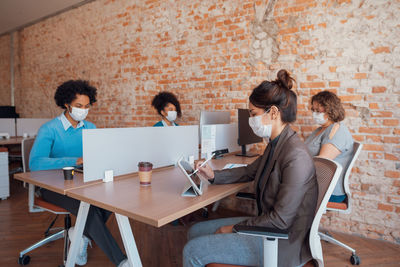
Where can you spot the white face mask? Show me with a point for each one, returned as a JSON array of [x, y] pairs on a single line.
[[79, 114], [172, 116], [258, 128], [318, 118]]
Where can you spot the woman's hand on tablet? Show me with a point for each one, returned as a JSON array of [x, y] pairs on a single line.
[[205, 170]]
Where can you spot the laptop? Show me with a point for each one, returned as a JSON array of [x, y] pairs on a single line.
[[194, 186]]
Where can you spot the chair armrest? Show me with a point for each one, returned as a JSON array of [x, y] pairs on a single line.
[[247, 196], [266, 232]]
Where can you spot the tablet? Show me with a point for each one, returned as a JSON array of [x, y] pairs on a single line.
[[195, 185]]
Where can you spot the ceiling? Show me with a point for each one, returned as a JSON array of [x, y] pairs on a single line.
[[16, 14]]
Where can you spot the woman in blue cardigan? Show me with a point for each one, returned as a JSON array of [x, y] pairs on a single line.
[[59, 144], [167, 105]]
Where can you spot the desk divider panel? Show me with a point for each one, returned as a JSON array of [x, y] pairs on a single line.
[[226, 136], [121, 149], [7, 126], [29, 125]]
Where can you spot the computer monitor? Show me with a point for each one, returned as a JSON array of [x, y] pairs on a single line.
[[246, 135], [215, 117]]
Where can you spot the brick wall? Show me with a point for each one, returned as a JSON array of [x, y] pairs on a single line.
[[212, 53], [5, 92]]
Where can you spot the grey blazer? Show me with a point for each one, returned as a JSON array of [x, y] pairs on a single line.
[[288, 194]]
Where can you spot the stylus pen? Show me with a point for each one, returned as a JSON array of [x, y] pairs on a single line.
[[204, 163]]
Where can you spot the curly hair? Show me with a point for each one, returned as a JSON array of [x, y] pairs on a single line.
[[161, 100], [277, 93], [332, 105], [66, 92]]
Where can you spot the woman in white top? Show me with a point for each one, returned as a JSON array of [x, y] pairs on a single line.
[[332, 139], [167, 105]]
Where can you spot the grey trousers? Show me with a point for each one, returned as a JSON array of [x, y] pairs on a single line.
[[205, 247], [95, 227]]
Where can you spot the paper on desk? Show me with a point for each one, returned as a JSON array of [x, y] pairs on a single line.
[[233, 165]]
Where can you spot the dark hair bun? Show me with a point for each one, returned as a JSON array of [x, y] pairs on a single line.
[[284, 79]]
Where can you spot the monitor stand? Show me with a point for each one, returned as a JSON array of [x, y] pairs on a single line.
[[245, 154]]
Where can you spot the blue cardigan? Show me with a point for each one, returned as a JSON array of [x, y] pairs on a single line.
[[56, 147]]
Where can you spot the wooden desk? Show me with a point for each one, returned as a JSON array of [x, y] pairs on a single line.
[[53, 180], [156, 205], [12, 141]]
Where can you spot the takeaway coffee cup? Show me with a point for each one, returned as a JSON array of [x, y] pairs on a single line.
[[145, 170], [68, 173]]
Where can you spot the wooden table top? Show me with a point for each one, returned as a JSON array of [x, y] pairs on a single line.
[[53, 180], [12, 141], [161, 202]]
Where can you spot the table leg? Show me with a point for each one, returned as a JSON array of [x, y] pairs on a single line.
[[129, 240], [78, 232]]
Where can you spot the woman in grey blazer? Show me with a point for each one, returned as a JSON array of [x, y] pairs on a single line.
[[284, 182]]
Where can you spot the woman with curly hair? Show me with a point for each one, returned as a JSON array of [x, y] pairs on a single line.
[[331, 139], [59, 144], [167, 105]]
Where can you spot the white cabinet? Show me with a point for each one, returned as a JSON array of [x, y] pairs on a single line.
[[4, 178]]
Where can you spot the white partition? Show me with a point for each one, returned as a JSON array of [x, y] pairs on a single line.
[[29, 126], [7, 126], [121, 149], [226, 136]]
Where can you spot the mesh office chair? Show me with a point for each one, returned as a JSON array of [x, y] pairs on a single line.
[[328, 173], [345, 207], [37, 204]]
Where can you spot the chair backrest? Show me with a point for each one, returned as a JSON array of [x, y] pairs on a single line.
[[356, 151], [36, 204], [26, 147], [328, 173]]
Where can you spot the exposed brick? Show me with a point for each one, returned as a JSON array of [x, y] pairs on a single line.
[[382, 114], [381, 49], [312, 85], [374, 130], [360, 76], [373, 105], [374, 138], [380, 89], [391, 157], [392, 174], [350, 98], [334, 84], [373, 147], [390, 122], [385, 207], [391, 139], [332, 68]]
